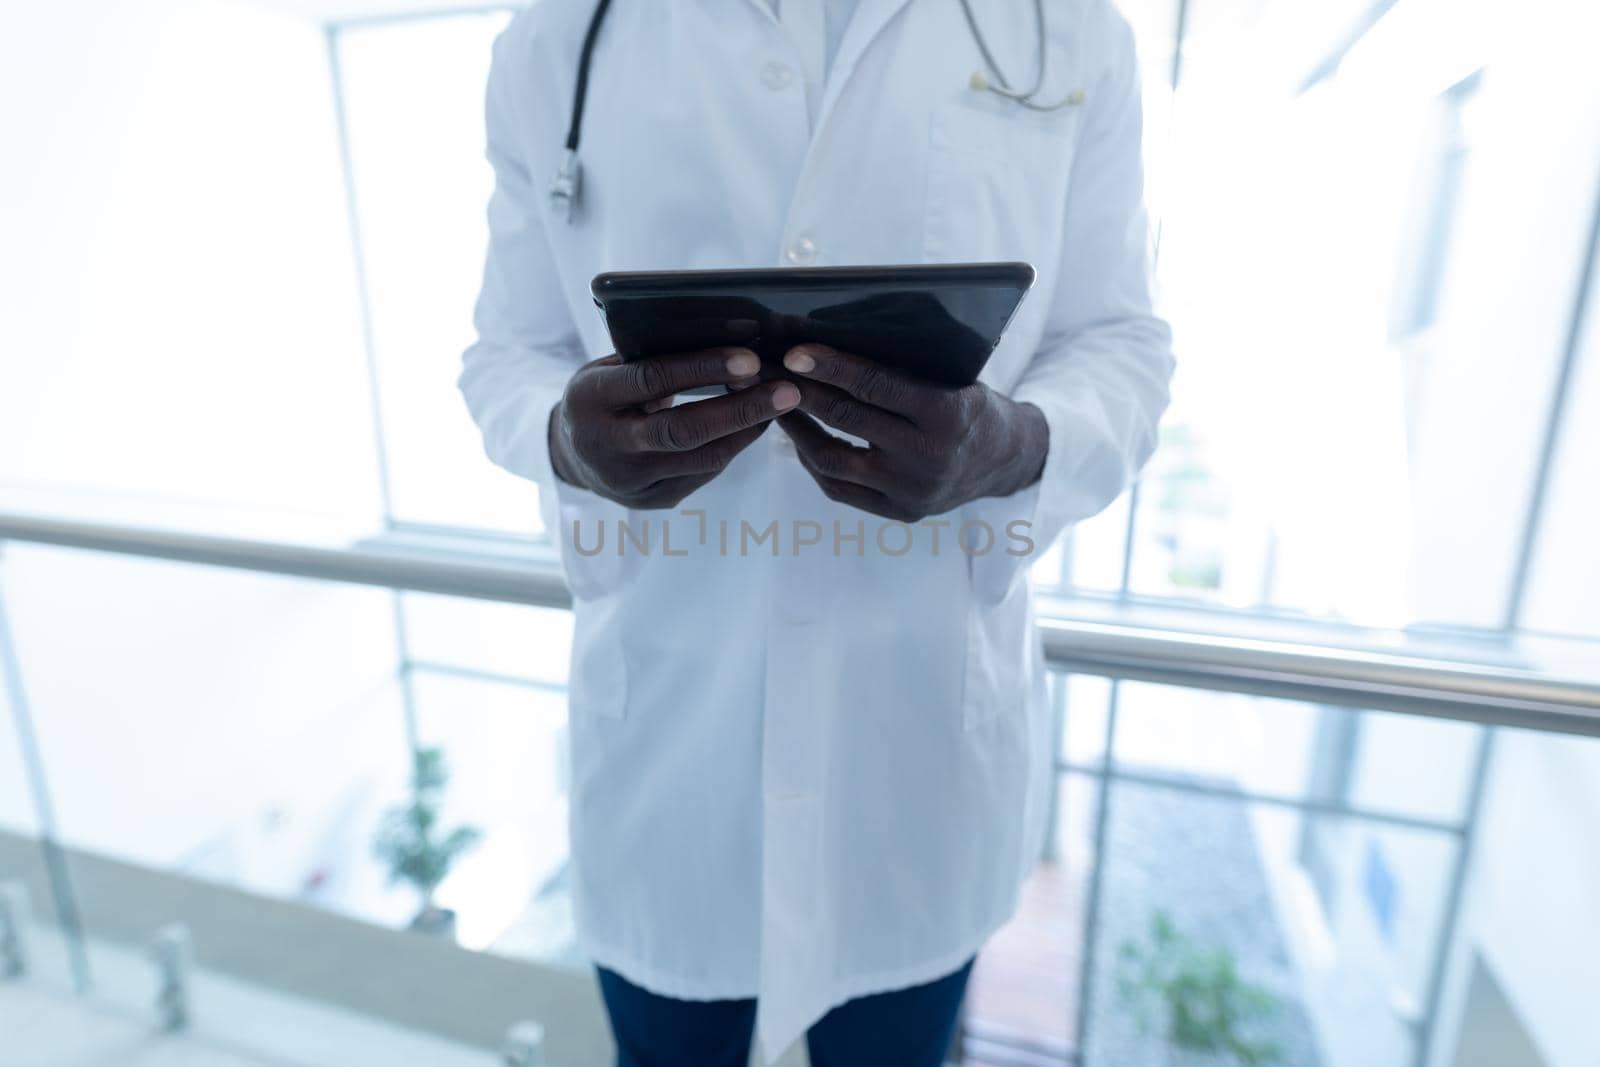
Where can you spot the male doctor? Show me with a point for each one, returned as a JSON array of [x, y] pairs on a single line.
[[809, 773]]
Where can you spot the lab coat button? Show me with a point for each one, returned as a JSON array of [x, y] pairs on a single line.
[[776, 75], [802, 251]]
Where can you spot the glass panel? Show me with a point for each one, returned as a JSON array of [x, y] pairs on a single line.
[[238, 728], [421, 184], [533, 644], [1095, 550], [32, 943], [1529, 937], [1335, 920], [229, 751], [249, 731], [1385, 772], [1210, 948], [1279, 748], [1025, 984], [1234, 863], [1083, 735], [17, 814], [1049, 569], [505, 747]]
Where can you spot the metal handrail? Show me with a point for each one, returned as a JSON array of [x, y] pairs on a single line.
[[1349, 677], [363, 563], [1497, 693]]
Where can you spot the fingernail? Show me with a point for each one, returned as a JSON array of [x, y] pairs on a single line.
[[743, 364], [799, 361], [785, 396]]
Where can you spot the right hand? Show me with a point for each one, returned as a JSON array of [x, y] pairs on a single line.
[[617, 434]]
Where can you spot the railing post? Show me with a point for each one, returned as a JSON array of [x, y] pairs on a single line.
[[1460, 872], [13, 949], [524, 1045], [172, 951], [55, 861]]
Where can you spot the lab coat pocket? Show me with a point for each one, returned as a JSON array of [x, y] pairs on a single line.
[[997, 182], [998, 646], [589, 536]]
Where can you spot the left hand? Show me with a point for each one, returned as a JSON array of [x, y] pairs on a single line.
[[930, 448]]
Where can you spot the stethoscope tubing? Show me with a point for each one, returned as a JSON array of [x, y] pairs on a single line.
[[564, 193]]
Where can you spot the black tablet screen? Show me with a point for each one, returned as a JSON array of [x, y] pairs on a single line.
[[939, 322]]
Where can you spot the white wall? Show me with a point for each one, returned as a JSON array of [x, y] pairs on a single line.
[[178, 324], [1526, 201], [1533, 886], [17, 810], [1526, 205], [1532, 892], [1564, 588], [175, 704], [177, 299]]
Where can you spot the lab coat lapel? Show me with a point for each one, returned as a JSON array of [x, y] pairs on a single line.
[[765, 7], [869, 20]]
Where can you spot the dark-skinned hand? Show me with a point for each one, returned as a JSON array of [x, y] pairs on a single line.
[[617, 433], [930, 448]]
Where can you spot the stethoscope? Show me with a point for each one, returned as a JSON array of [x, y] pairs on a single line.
[[568, 184]]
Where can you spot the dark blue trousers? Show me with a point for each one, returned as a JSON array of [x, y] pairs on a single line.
[[904, 1028]]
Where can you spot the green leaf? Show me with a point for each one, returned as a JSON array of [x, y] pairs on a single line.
[[408, 839]]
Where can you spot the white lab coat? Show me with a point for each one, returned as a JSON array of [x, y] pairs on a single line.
[[813, 776]]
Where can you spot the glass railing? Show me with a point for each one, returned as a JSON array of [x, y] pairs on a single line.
[[1246, 864]]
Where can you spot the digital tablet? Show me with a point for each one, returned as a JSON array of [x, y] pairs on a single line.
[[938, 322]]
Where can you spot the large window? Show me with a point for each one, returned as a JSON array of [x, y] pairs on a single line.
[[1375, 224], [412, 95], [1371, 267], [1331, 191], [1331, 196]]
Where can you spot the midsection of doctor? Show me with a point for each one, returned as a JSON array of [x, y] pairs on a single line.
[[809, 740]]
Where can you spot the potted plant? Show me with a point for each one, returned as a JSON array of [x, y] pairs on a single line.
[[1194, 998], [416, 848]]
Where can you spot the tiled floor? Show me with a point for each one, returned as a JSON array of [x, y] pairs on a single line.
[[44, 1024], [1025, 985], [1024, 988], [53, 1029]]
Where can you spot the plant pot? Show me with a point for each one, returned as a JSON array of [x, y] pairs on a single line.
[[435, 922]]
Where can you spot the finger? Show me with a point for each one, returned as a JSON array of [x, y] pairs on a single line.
[[829, 459], [868, 500], [869, 382], [668, 492], [690, 426], [656, 377], [660, 405], [836, 408], [709, 459]]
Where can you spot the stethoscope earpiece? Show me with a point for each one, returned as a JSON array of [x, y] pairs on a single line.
[[566, 187], [999, 85]]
